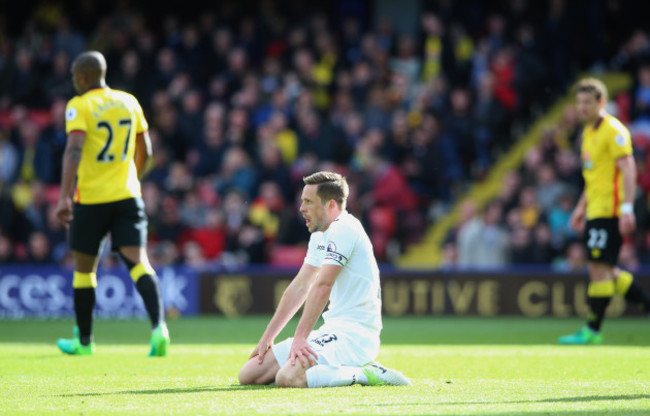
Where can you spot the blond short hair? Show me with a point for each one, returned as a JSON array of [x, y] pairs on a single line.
[[592, 86]]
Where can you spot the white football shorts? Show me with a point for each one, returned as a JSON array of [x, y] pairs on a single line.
[[336, 345]]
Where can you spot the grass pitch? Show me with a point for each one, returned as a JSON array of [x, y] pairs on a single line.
[[459, 366]]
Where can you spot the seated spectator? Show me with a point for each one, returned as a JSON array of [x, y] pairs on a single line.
[[36, 157], [9, 161], [6, 250], [266, 209], [574, 260], [211, 237], [237, 173], [193, 255], [39, 251]]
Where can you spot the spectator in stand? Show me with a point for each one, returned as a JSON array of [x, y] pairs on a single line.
[[6, 250], [489, 120], [193, 255], [9, 161], [543, 251], [53, 137], [237, 173], [641, 104], [529, 207], [558, 220], [35, 213], [549, 189], [521, 246], [57, 83], [250, 83], [36, 156], [211, 237], [39, 251], [575, 260], [265, 211], [458, 123], [23, 80], [164, 253], [482, 242], [193, 211], [130, 78]]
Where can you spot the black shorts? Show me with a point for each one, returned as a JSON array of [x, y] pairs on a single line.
[[125, 220], [603, 240]]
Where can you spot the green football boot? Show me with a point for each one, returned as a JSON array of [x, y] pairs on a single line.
[[378, 375], [73, 346], [159, 341], [584, 336]]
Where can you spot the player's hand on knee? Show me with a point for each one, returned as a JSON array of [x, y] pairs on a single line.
[[261, 349], [301, 350]]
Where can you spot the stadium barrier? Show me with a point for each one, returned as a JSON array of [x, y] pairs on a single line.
[[46, 292]]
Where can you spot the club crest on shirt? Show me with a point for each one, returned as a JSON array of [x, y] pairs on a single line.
[[620, 140], [71, 114]]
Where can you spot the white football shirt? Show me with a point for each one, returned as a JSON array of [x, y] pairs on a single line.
[[356, 294]]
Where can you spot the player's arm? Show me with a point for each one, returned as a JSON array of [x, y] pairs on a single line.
[[315, 303], [577, 221], [143, 153], [627, 220], [292, 299], [71, 160]]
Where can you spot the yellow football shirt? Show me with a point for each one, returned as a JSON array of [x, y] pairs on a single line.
[[602, 145], [111, 120]]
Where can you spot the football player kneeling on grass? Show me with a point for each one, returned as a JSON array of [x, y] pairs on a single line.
[[340, 267]]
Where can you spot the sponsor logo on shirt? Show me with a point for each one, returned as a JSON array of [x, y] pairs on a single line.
[[332, 254]]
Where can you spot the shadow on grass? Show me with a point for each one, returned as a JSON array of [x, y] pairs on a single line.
[[201, 389], [550, 400]]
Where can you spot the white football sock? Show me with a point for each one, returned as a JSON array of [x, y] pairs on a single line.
[[330, 376]]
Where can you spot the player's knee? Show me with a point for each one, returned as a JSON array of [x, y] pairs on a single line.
[[289, 379], [246, 376], [282, 379]]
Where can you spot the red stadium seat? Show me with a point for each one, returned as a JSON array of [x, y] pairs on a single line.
[[383, 219], [288, 255]]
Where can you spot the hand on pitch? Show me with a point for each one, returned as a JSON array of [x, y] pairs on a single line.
[[626, 224], [301, 350], [64, 211]]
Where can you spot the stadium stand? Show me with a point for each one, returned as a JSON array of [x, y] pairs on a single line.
[[244, 98]]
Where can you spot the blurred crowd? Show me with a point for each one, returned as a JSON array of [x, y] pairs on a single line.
[[245, 98], [528, 222]]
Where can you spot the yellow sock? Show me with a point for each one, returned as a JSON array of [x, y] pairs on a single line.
[[603, 289], [623, 282], [84, 280], [141, 269]]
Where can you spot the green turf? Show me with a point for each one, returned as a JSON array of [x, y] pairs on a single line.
[[460, 366]]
